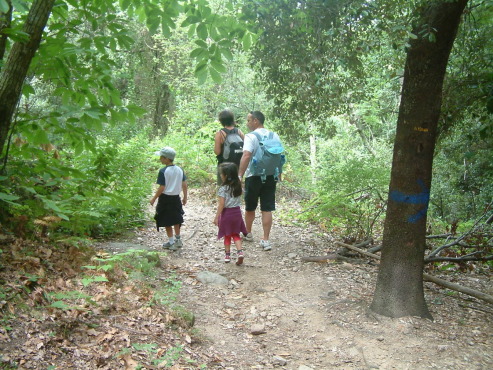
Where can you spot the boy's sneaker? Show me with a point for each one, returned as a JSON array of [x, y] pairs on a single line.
[[265, 244], [248, 237], [239, 261], [227, 258], [178, 243], [168, 245]]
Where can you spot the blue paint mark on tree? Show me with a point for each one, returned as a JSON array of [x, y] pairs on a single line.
[[420, 198]]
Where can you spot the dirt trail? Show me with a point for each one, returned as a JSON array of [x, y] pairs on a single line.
[[314, 315]]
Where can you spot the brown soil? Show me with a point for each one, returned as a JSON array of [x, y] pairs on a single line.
[[276, 311]]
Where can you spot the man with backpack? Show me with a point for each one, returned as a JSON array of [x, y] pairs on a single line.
[[228, 142], [261, 163]]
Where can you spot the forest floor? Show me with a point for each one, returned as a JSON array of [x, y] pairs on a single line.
[[273, 311]]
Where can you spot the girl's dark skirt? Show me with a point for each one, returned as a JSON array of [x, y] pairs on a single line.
[[231, 222], [169, 211]]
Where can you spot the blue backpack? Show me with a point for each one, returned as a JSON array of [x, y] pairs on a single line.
[[268, 159]]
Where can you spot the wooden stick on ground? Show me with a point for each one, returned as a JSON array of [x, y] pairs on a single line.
[[427, 277]]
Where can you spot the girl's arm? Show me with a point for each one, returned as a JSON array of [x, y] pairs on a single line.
[[159, 191], [220, 207]]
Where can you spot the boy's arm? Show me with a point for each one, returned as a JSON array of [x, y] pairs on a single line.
[[159, 191], [220, 207], [184, 188]]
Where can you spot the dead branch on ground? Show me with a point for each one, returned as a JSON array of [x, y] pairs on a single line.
[[427, 277]]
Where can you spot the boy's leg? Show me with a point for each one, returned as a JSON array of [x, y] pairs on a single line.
[[178, 241], [171, 239], [177, 229]]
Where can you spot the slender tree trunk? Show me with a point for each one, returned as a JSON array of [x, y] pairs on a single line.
[[15, 69], [313, 153], [162, 111], [399, 289]]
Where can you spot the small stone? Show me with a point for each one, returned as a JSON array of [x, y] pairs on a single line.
[[257, 329], [280, 361]]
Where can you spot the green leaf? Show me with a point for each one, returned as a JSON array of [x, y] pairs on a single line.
[[227, 53], [247, 41], [201, 75], [202, 31], [27, 90], [218, 66], [61, 305], [202, 44], [87, 281], [8, 198], [216, 76], [4, 6]]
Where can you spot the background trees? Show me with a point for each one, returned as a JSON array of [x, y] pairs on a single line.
[[113, 81]]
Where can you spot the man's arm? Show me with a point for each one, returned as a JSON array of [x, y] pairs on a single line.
[[245, 160]]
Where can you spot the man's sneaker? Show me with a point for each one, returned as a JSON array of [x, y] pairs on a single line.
[[248, 237], [239, 261], [266, 245], [227, 258], [178, 243], [167, 245]]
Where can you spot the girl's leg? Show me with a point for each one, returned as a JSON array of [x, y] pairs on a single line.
[[227, 248], [239, 249]]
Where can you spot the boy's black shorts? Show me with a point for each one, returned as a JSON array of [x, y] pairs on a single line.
[[255, 189]]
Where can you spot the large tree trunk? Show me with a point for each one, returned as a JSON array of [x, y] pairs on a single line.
[[15, 69], [399, 289]]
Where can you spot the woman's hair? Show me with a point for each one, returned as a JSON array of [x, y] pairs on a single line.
[[230, 172], [227, 118]]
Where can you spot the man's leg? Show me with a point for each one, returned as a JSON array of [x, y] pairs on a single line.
[[249, 218], [266, 224]]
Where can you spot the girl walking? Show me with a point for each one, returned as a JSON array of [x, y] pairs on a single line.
[[228, 216]]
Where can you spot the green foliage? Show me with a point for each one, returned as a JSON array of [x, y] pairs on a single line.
[[93, 194], [351, 190], [58, 299]]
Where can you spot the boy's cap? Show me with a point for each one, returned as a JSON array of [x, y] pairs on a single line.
[[167, 152]]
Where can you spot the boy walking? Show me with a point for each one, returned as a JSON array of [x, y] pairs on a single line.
[[169, 211]]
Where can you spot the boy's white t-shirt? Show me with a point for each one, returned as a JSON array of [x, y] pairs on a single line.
[[173, 178]]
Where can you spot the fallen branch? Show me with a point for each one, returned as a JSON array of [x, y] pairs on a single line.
[[338, 256], [459, 288], [322, 259]]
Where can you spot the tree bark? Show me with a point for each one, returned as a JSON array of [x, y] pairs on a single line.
[[313, 152], [162, 111], [5, 21], [15, 69], [399, 288]]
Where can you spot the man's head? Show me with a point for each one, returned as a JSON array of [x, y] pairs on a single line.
[[168, 153], [227, 118], [255, 119]]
